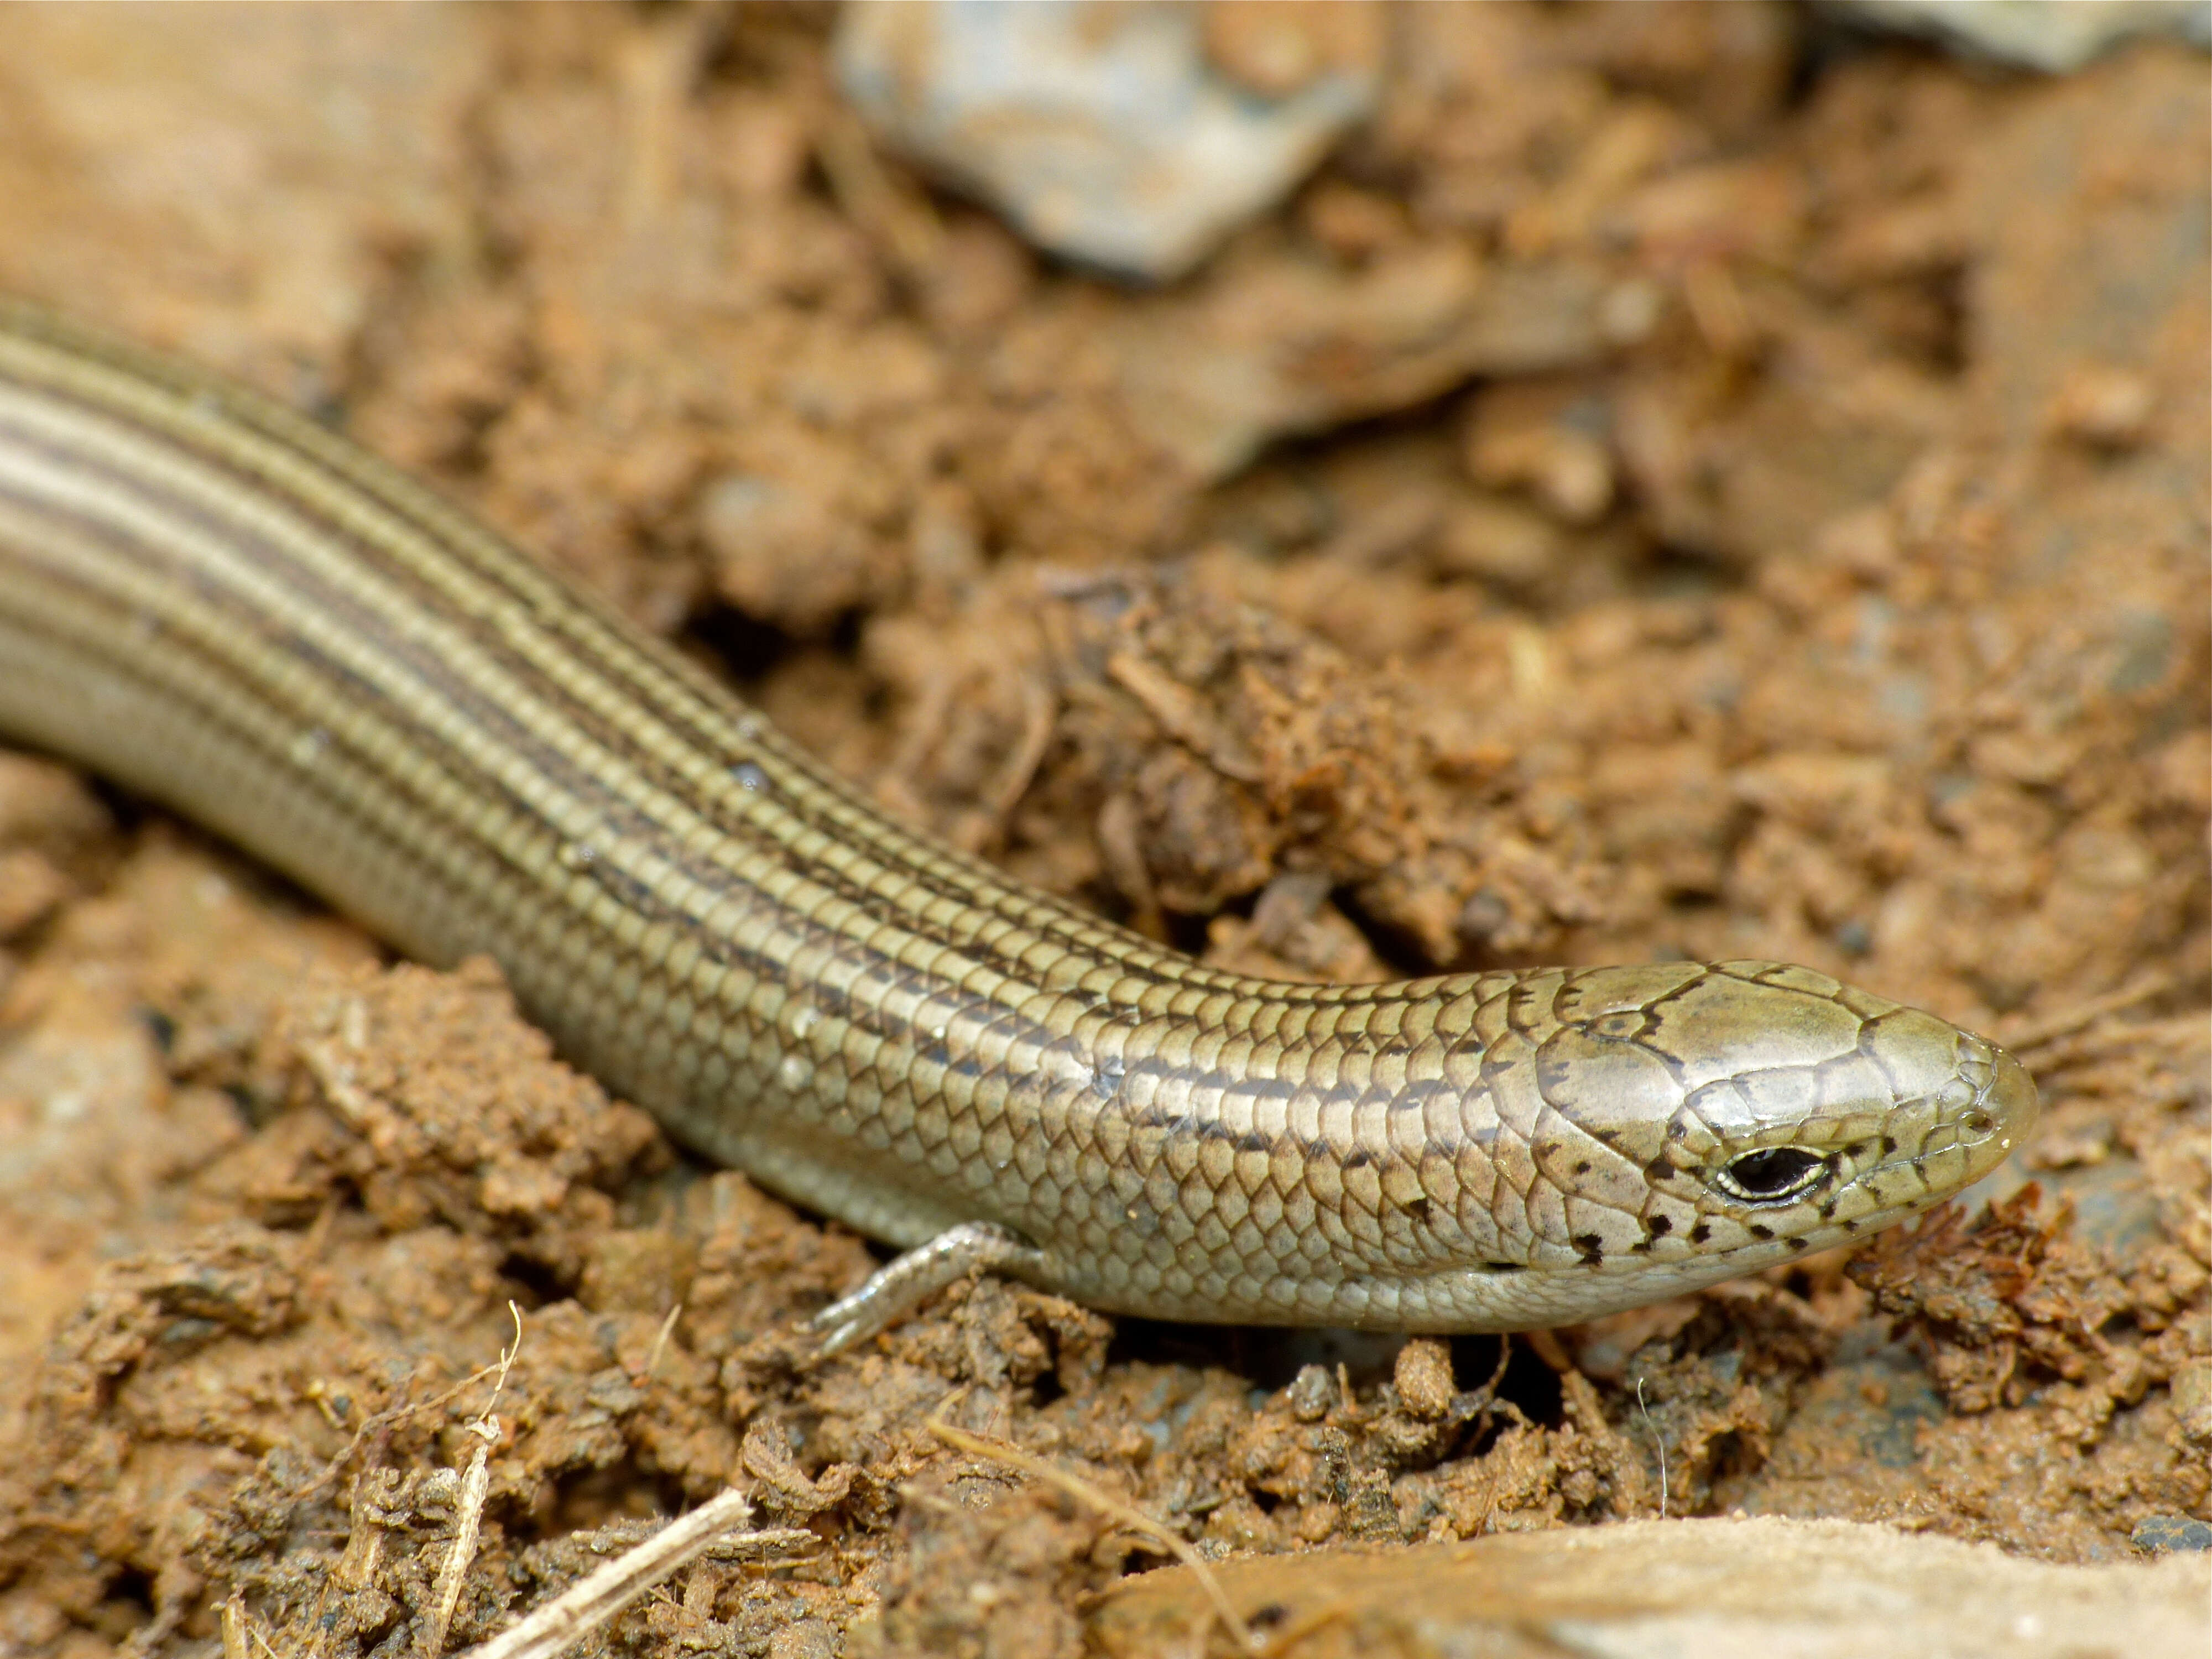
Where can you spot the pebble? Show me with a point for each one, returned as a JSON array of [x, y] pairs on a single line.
[[2161, 1535], [2052, 35], [1132, 139]]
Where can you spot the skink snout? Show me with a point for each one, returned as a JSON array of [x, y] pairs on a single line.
[[2005, 1111]]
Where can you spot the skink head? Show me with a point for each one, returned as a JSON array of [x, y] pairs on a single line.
[[1796, 1111], [1695, 1122]]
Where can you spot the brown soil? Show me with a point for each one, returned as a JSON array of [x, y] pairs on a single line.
[[1658, 491]]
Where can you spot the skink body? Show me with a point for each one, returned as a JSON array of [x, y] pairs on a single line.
[[227, 607]]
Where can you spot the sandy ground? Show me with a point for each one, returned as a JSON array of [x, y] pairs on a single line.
[[1668, 487]]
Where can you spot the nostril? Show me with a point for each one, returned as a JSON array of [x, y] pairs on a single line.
[[1976, 1122]]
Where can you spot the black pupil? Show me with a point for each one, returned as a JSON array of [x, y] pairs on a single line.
[[1773, 1172]]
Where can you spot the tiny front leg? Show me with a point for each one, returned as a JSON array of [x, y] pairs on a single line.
[[904, 1283]]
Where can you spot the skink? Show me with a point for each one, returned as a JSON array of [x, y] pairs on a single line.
[[225, 606]]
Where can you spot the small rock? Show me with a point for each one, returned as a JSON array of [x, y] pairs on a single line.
[[1496, 541], [1133, 139], [1570, 472], [2102, 407], [1312, 1394], [2052, 35], [1278, 48], [31, 889], [46, 805], [1862, 539], [808, 1639], [1354, 224], [2193, 1400], [1424, 1378], [2161, 1535]]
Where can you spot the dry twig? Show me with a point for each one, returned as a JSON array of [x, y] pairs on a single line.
[[468, 1519], [660, 1342], [593, 1601], [1659, 1442], [384, 1419]]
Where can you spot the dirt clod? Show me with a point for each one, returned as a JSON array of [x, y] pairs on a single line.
[[1664, 488]]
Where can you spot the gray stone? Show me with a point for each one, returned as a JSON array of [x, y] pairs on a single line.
[[1103, 133], [2053, 35]]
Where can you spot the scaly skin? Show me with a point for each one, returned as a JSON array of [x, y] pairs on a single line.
[[239, 614]]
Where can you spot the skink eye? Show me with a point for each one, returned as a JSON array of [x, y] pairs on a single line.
[[1771, 1175]]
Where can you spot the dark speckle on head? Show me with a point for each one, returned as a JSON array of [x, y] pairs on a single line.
[[1888, 1144], [1502, 1266], [1659, 1225], [1591, 1246], [1700, 1233], [1418, 1209], [1796, 1243], [1760, 1229], [1582, 1166]]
